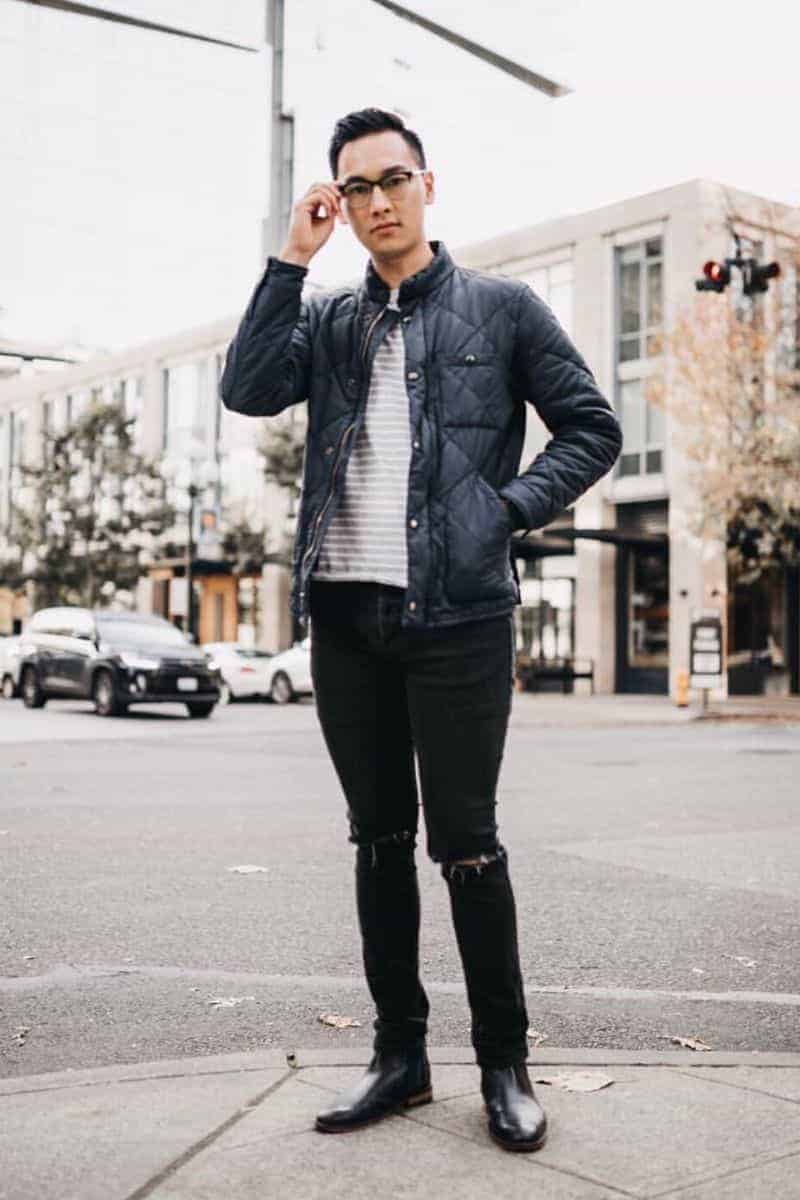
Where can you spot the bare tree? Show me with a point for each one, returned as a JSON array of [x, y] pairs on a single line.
[[731, 384]]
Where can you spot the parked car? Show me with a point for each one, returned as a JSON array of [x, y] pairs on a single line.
[[244, 671], [115, 659], [9, 667], [290, 673]]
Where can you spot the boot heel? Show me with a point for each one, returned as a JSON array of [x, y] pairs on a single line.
[[419, 1098]]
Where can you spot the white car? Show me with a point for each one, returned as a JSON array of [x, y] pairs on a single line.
[[9, 667], [290, 673], [245, 671]]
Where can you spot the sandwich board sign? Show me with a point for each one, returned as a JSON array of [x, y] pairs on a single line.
[[705, 651]]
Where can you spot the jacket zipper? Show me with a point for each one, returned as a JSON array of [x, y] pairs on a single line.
[[313, 543]]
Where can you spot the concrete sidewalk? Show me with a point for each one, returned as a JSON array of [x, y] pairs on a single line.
[[701, 1126], [553, 709]]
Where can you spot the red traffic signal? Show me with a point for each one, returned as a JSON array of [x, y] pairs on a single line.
[[717, 276]]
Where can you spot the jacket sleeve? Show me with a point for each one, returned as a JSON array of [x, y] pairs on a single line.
[[268, 363], [552, 376]]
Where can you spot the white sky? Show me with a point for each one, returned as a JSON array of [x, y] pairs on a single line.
[[134, 166], [663, 92]]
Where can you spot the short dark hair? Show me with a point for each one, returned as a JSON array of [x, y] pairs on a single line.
[[370, 120]]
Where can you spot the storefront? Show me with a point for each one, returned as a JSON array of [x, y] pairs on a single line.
[[764, 634]]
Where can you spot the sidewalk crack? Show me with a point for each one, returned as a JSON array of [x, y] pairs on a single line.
[[191, 1152], [744, 1087], [753, 1165]]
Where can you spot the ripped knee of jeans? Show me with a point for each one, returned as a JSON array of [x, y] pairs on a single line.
[[403, 838], [461, 870]]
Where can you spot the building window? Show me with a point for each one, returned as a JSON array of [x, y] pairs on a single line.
[[184, 426], [639, 333], [642, 431], [3, 472], [640, 307], [553, 284], [789, 337], [129, 394]]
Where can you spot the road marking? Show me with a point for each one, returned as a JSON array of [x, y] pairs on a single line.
[[74, 976]]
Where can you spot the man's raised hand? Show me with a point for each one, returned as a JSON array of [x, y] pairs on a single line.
[[308, 229]]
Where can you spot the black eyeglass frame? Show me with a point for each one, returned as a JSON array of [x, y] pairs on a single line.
[[372, 184]]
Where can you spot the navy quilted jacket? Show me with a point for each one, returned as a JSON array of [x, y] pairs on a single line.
[[478, 348]]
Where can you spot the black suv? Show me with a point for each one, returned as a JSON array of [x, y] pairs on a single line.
[[115, 659]]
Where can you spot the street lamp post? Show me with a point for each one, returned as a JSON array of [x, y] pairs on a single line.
[[190, 475], [194, 492]]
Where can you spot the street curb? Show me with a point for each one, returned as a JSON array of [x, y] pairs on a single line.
[[443, 1056]]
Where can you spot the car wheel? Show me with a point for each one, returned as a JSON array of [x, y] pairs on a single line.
[[7, 688], [225, 695], [281, 690], [106, 702], [32, 694], [201, 708]]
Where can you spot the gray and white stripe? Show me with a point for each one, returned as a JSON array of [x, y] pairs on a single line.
[[366, 539]]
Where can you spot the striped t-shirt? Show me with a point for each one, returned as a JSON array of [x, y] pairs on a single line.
[[366, 538]]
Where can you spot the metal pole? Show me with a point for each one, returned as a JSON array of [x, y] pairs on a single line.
[[189, 553], [281, 148]]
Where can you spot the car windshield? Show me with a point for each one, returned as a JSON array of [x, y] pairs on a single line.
[[234, 650], [134, 633]]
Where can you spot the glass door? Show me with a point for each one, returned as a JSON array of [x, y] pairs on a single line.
[[642, 620]]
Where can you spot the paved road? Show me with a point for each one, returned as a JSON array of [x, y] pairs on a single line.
[[657, 871]]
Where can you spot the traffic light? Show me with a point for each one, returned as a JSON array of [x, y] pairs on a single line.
[[758, 275], [717, 276]]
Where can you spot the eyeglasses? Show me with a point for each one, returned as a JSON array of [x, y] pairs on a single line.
[[394, 186]]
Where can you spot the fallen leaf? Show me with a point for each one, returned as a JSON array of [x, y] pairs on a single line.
[[228, 1001], [743, 959], [338, 1022], [576, 1081], [248, 869], [695, 1043], [536, 1037]]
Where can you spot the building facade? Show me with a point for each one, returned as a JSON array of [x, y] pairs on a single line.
[[169, 388], [618, 579], [613, 585]]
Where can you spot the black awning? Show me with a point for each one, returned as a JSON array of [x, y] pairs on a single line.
[[561, 541]]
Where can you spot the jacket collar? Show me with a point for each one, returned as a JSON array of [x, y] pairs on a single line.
[[437, 270]]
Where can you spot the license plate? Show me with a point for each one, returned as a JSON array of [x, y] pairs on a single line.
[[187, 683]]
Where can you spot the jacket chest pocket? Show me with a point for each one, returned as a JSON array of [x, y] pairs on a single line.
[[473, 390]]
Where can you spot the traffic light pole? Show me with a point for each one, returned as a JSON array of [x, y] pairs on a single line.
[[755, 275]]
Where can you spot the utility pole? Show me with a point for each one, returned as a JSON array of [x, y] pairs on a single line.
[[281, 148]]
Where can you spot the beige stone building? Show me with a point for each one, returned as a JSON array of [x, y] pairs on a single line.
[[614, 582], [620, 583], [170, 387]]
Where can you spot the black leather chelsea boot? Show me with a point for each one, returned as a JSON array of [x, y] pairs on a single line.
[[395, 1079], [516, 1118]]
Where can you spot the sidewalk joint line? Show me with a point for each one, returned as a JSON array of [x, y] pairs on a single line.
[[89, 1083], [192, 1151], [742, 1087], [755, 1165], [540, 1163]]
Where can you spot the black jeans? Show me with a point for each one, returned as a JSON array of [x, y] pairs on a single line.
[[384, 693]]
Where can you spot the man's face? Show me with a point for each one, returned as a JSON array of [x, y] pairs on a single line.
[[386, 226]]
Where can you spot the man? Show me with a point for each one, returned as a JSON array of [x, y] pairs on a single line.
[[416, 383]]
